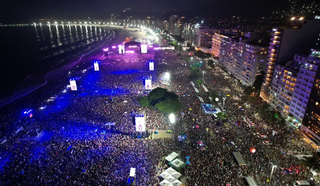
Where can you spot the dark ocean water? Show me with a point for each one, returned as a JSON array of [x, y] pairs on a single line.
[[35, 50]]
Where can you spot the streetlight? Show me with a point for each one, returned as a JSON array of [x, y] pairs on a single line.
[[172, 118], [167, 76], [223, 102], [203, 75], [272, 170]]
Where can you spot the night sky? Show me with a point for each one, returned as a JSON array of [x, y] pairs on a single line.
[[19, 10]]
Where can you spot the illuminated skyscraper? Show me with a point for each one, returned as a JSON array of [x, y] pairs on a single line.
[[285, 43], [244, 58], [311, 122]]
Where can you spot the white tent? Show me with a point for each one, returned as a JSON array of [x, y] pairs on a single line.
[[171, 179], [165, 183], [177, 183], [173, 172], [172, 156], [170, 170], [164, 175], [177, 163], [176, 175]]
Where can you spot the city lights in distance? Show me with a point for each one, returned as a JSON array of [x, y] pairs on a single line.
[[297, 18]]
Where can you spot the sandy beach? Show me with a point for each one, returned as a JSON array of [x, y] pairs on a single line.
[[33, 83]]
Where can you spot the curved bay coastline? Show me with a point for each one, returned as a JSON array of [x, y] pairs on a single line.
[[52, 83]]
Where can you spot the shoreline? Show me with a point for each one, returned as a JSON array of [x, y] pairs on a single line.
[[19, 93]]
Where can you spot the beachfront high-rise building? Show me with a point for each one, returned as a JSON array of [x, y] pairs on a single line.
[[229, 54], [178, 26], [305, 80], [291, 87], [311, 122], [244, 58], [172, 22], [200, 35], [205, 33], [254, 62], [216, 44], [285, 43]]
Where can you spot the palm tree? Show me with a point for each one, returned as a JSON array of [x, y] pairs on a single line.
[[222, 116], [214, 94]]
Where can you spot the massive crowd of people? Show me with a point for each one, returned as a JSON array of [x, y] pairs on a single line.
[[215, 164], [85, 151], [94, 141]]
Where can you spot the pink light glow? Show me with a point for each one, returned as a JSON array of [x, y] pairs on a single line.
[[106, 49], [130, 52], [150, 46], [114, 46], [157, 48], [132, 46]]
